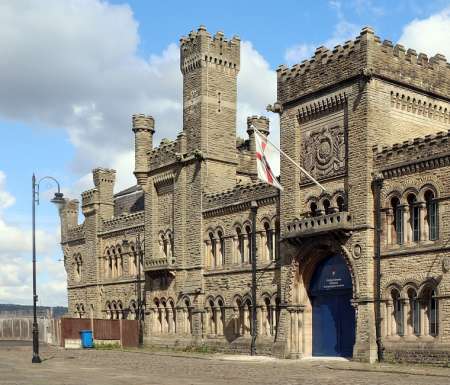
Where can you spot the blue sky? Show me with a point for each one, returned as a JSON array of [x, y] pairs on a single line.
[[73, 71]]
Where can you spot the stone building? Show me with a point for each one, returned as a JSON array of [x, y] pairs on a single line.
[[370, 121]]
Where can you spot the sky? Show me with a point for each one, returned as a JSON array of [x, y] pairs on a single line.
[[72, 72]]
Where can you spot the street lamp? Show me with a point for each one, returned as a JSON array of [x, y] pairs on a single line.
[[254, 328], [59, 201]]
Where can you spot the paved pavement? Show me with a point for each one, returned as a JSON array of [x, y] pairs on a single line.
[[99, 367]]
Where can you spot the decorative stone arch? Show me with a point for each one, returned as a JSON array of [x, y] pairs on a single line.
[[311, 197], [429, 283], [218, 299], [408, 191], [308, 264], [387, 198], [428, 187], [393, 284]]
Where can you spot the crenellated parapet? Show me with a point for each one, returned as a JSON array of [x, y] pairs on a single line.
[[199, 49], [123, 222], [163, 155], [76, 233], [89, 199], [413, 155], [241, 194], [366, 56]]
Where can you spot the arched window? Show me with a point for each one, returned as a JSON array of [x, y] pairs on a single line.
[[239, 247], [397, 212], [220, 317], [172, 317], [397, 312], [267, 318], [108, 311], [340, 203], [158, 317], [211, 321], [248, 251], [413, 313], [326, 206], [170, 245], [430, 303], [78, 267], [119, 261], [238, 317], [269, 235], [213, 250], [432, 215], [247, 325], [313, 209], [414, 217], [165, 246], [221, 252], [187, 312]]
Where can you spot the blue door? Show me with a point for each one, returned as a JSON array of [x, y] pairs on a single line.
[[333, 317]]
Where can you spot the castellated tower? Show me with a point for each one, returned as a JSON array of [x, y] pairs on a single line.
[[104, 179], [143, 128], [210, 66]]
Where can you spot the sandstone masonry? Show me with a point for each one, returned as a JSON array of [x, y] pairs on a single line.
[[362, 110]]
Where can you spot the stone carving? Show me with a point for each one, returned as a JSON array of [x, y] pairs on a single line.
[[357, 251], [323, 152], [446, 264]]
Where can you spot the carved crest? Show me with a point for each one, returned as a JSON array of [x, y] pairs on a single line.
[[323, 152]]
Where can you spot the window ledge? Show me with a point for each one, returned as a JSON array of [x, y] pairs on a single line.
[[413, 248]]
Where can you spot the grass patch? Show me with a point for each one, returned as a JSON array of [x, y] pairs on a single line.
[[107, 346]]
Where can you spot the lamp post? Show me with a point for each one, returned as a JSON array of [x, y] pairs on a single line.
[[139, 294], [254, 211], [59, 201]]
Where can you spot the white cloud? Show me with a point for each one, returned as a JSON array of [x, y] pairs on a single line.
[[75, 65], [429, 35], [6, 199], [15, 262], [343, 31]]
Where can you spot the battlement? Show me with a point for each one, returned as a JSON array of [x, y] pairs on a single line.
[[89, 197], [103, 175], [261, 123], [365, 55], [238, 195], [75, 233], [124, 221], [164, 154], [143, 122], [199, 48], [412, 150]]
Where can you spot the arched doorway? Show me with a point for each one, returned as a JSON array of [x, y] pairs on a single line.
[[333, 316]]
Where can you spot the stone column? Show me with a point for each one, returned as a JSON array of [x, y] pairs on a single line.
[[423, 228], [388, 318], [407, 236], [389, 228], [208, 254], [259, 320]]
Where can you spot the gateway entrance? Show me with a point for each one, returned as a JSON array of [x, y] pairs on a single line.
[[333, 316]]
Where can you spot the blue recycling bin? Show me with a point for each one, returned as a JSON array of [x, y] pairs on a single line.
[[86, 339]]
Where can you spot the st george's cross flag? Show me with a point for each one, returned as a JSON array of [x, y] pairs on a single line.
[[264, 151]]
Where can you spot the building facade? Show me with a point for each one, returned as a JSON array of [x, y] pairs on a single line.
[[370, 121]]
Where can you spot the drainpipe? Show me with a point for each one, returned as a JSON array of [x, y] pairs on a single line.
[[378, 184]]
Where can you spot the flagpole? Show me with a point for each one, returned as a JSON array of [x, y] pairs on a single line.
[[291, 160]]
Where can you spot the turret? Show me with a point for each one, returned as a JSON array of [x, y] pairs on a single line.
[[69, 216], [143, 128], [104, 184], [210, 65], [261, 123]]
